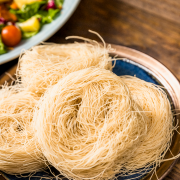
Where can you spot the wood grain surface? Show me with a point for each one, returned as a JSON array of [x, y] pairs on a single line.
[[123, 24], [168, 9]]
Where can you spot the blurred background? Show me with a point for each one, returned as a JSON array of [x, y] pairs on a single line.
[[152, 27]]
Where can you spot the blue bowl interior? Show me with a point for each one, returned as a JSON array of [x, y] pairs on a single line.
[[126, 67], [122, 67]]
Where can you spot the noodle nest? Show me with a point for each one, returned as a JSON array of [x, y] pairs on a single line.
[[44, 65], [18, 151], [88, 126], [154, 102]]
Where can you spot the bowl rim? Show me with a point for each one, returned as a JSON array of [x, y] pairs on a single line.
[[171, 84], [166, 78]]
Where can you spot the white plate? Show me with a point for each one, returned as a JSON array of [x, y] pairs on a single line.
[[46, 32]]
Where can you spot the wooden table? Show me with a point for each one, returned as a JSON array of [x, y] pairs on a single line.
[[123, 24]]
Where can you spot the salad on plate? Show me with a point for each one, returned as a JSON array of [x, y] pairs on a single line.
[[22, 19]]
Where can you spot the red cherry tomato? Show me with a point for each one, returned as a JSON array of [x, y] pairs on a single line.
[[11, 35]]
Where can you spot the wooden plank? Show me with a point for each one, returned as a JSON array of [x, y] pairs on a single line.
[[8, 76], [2, 178], [169, 9]]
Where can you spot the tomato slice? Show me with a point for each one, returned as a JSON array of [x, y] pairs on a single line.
[[11, 35]]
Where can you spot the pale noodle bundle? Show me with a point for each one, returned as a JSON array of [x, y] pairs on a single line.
[[89, 123], [44, 65], [18, 151], [154, 102], [88, 126]]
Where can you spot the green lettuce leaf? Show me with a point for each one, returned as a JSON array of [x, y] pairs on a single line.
[[28, 10], [3, 48], [26, 35], [59, 3], [47, 16], [1, 26]]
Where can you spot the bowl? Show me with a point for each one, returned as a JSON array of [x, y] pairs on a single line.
[[46, 32], [138, 64]]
